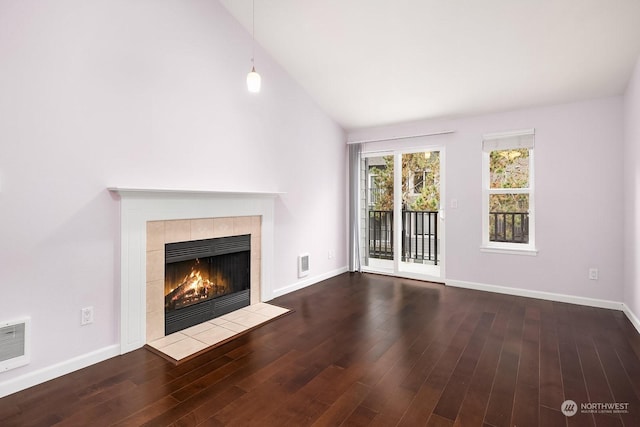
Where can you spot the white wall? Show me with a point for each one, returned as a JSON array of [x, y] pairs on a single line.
[[578, 179], [632, 194], [141, 94]]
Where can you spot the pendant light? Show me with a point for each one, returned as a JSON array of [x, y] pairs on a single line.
[[253, 78]]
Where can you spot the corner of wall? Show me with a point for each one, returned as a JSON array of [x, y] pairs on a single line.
[[307, 282], [632, 317], [631, 192]]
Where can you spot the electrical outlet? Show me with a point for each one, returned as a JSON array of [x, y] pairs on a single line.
[[87, 316], [593, 274], [330, 255]]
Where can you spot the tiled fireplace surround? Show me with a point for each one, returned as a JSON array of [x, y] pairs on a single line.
[[160, 233], [151, 217]]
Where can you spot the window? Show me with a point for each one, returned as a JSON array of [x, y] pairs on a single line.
[[418, 182], [380, 172], [508, 194]]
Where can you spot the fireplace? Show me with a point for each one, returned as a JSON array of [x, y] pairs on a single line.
[[151, 218], [205, 279]]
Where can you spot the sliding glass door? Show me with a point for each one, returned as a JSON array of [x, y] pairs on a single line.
[[402, 221]]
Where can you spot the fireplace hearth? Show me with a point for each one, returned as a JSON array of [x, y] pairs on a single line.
[[205, 279]]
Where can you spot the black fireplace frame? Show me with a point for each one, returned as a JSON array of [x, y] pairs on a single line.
[[185, 317]]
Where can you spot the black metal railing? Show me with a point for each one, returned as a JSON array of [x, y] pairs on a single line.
[[419, 235], [381, 234], [511, 227]]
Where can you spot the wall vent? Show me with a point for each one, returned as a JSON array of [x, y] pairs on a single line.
[[14, 343], [303, 265]]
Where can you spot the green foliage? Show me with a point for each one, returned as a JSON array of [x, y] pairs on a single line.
[[509, 203], [429, 196], [384, 181], [509, 169]]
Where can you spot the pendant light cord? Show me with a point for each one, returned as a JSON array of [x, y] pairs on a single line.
[[253, 78], [253, 31]]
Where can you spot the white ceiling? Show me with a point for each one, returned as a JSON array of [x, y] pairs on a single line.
[[377, 62]]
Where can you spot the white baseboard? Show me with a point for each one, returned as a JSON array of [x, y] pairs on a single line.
[[632, 317], [308, 282], [59, 369], [549, 296]]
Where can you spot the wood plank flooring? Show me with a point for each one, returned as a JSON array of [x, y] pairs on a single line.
[[364, 350]]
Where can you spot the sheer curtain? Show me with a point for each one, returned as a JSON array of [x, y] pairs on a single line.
[[354, 206]]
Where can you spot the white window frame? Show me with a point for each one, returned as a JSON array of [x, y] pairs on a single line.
[[502, 141]]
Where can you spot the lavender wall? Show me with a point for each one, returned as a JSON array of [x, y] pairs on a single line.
[[141, 94], [632, 193], [578, 168]]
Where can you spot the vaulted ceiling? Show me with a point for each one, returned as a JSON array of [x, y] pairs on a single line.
[[377, 62]]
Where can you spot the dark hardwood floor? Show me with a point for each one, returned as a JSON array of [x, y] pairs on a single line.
[[369, 350]]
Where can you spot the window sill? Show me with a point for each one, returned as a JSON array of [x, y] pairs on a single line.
[[528, 251]]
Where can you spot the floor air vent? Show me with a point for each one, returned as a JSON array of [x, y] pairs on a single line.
[[303, 265], [14, 344]]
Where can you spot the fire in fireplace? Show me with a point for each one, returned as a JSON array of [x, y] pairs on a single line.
[[205, 279], [193, 281]]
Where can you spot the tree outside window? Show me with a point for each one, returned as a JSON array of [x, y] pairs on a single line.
[[509, 212], [420, 182]]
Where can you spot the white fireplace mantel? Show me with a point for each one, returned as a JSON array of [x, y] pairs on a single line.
[[138, 205], [131, 192]]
